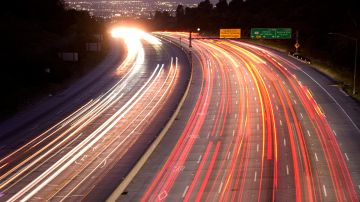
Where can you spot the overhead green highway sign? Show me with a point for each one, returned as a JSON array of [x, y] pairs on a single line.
[[271, 33]]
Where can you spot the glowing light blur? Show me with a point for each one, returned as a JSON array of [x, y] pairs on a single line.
[[134, 34]]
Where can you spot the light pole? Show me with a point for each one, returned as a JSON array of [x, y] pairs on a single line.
[[356, 53]]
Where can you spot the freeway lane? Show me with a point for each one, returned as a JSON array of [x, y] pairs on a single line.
[[260, 128], [76, 157]]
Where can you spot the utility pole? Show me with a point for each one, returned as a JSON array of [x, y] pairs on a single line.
[[297, 43], [190, 39]]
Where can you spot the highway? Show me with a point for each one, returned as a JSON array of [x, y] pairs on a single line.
[[87, 152], [257, 126]]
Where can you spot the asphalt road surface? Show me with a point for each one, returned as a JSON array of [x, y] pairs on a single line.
[[85, 153], [257, 126]]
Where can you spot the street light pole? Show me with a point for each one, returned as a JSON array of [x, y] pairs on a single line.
[[190, 40], [356, 54]]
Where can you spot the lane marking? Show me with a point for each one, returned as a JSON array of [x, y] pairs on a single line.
[[277, 107], [255, 176], [162, 195], [287, 169], [199, 159], [235, 116], [316, 157], [273, 95], [185, 191], [301, 115], [257, 148], [347, 158], [284, 142], [233, 133], [257, 127], [257, 110], [280, 122], [324, 188], [236, 92], [295, 102], [334, 133], [308, 132], [220, 187], [255, 98], [228, 157], [236, 102]]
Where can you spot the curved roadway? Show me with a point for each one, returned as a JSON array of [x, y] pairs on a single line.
[[257, 126]]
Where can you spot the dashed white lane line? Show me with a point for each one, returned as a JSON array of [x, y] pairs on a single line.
[[253, 88], [235, 115], [287, 169], [295, 102], [217, 104], [208, 136], [257, 127], [255, 98], [277, 107], [284, 142], [308, 132], [280, 122], [301, 115], [236, 102], [185, 191], [233, 133], [257, 148], [346, 156], [228, 157], [236, 92], [359, 186], [257, 110], [316, 157], [273, 95], [255, 176], [199, 159], [334, 133], [324, 188], [220, 187]]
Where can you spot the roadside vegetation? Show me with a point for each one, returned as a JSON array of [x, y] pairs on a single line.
[[33, 35]]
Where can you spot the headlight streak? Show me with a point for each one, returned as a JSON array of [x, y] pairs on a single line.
[[168, 83], [71, 127], [52, 172], [93, 108]]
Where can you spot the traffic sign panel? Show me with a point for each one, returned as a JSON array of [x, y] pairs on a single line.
[[271, 33], [230, 33]]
